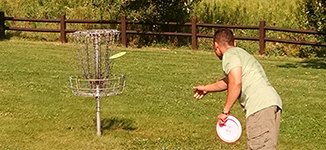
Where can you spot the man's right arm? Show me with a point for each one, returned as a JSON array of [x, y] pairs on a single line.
[[218, 86]]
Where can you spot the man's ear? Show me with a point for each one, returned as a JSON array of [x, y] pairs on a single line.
[[235, 44], [215, 45]]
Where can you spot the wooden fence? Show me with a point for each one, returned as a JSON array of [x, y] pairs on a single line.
[[194, 25]]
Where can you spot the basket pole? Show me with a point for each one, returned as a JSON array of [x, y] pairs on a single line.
[[98, 118]]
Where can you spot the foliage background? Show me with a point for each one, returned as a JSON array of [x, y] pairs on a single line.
[[298, 14]]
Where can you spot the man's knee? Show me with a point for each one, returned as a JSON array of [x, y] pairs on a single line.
[[263, 141]]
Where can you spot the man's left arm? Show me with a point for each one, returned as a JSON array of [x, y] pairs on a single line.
[[233, 92]]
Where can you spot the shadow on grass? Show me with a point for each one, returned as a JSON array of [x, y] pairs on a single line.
[[117, 123], [8, 35], [311, 63]]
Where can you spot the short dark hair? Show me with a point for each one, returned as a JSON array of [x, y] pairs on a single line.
[[224, 37]]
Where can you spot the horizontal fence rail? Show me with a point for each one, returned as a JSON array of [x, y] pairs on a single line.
[[194, 25]]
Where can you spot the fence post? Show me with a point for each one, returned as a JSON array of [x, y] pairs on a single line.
[[123, 30], [194, 31], [262, 35], [2, 25], [63, 26]]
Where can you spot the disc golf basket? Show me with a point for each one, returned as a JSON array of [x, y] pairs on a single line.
[[94, 50]]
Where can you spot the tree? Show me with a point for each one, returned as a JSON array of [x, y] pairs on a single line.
[[160, 10], [314, 12], [153, 11]]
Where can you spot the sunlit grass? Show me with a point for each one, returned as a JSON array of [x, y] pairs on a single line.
[[156, 110]]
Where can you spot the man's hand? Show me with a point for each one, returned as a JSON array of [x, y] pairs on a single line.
[[199, 92], [221, 119]]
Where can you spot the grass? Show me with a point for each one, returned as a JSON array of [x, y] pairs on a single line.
[[156, 110]]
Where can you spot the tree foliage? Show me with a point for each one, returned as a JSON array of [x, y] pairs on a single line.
[[159, 10], [106, 7], [314, 13], [163, 11]]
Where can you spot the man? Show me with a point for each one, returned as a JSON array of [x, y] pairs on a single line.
[[245, 80]]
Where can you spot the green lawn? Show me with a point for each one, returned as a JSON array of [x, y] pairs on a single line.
[[156, 110]]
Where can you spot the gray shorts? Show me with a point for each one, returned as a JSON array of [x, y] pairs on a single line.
[[263, 129]]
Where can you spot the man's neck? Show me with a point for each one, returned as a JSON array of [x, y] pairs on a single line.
[[225, 48]]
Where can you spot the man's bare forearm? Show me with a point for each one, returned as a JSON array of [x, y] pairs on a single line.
[[234, 88], [218, 86]]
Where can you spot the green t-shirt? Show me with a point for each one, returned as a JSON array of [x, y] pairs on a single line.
[[256, 91]]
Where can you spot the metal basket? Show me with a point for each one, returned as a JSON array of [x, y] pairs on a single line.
[[114, 85], [94, 49]]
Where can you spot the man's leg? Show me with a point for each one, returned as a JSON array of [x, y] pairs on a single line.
[[263, 129]]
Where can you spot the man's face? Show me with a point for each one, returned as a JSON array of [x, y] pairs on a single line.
[[217, 50]]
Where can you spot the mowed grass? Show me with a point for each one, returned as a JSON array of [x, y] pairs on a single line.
[[156, 110]]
